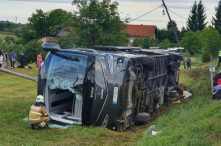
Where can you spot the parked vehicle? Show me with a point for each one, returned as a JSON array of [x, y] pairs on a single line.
[[111, 87]]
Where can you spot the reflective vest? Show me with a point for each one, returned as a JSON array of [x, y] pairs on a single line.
[[219, 53], [37, 112]]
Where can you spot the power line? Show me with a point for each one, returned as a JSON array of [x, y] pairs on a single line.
[[177, 14], [126, 23], [145, 14]]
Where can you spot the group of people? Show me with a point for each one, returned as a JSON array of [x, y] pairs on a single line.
[[4, 57]]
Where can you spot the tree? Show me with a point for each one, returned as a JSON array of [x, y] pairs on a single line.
[[211, 42], [58, 19], [28, 35], [38, 23], [166, 34], [192, 42], [197, 17], [181, 33], [192, 20], [138, 42], [169, 25], [67, 41], [201, 16], [44, 24], [146, 42], [98, 23], [165, 43], [32, 49], [217, 19]]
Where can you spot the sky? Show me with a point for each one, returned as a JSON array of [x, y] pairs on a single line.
[[23, 9]]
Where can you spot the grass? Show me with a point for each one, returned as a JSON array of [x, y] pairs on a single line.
[[17, 95], [196, 60], [3, 35], [195, 121]]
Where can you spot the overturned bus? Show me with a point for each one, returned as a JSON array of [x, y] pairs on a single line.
[[107, 88]]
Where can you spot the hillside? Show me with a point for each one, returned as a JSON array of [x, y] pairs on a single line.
[[11, 27]]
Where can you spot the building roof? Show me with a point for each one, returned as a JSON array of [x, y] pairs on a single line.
[[46, 39], [141, 30], [51, 38], [62, 33]]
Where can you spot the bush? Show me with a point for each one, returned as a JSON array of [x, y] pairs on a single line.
[[206, 57], [32, 49]]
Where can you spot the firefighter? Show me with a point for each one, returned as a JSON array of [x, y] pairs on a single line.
[[219, 58], [38, 115]]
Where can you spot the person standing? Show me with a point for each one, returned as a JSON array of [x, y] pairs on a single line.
[[6, 59], [1, 59], [219, 58], [3, 62], [12, 58], [22, 59], [188, 61], [39, 60]]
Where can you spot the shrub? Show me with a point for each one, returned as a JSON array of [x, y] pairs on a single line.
[[206, 57], [32, 49]]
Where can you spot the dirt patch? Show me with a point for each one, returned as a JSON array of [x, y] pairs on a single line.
[[183, 87], [161, 111], [197, 73], [212, 138], [69, 142]]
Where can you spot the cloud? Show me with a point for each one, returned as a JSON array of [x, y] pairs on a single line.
[[169, 1], [178, 7], [48, 1], [145, 1], [162, 21]]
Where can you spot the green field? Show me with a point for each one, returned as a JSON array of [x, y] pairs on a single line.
[[3, 35], [195, 121]]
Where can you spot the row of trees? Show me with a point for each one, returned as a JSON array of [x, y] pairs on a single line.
[[197, 38], [95, 23], [196, 21], [207, 42]]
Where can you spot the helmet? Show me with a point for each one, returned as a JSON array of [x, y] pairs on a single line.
[[40, 98]]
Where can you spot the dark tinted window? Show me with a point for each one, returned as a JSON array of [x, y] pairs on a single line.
[[99, 80]]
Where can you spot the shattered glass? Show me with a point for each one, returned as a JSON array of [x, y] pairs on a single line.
[[67, 74]]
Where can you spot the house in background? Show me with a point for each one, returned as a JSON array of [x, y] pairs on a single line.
[[139, 31], [47, 39], [62, 33]]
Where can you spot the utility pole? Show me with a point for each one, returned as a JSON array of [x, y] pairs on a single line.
[[16, 18], [174, 30]]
